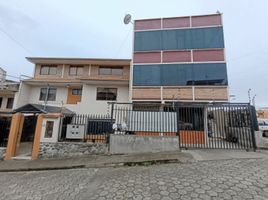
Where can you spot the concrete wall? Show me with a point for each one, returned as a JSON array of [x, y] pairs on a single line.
[[126, 144], [71, 149], [261, 142]]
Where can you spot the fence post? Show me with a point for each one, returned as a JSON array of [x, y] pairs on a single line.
[[111, 118], [252, 125], [178, 122]]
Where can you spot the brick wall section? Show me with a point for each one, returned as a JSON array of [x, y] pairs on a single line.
[[201, 93], [146, 93], [207, 20], [208, 55], [177, 22], [177, 93], [176, 56], [147, 24], [212, 93], [147, 57]]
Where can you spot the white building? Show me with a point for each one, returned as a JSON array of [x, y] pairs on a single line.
[[81, 85]]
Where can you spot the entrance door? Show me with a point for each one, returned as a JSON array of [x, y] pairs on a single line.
[[27, 137]]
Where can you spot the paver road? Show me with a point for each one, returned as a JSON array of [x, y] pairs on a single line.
[[225, 179]]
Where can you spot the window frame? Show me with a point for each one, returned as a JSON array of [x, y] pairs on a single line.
[[49, 69], [79, 91], [49, 95], [111, 69], [49, 129], [8, 103], [76, 70], [106, 95]]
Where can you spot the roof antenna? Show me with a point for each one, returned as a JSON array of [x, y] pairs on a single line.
[[127, 19]]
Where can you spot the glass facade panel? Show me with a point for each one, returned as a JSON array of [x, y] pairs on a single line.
[[180, 74], [197, 38]]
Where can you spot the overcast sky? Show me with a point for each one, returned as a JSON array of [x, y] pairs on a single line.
[[94, 28]]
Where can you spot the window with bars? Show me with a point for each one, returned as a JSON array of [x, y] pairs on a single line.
[[106, 94]]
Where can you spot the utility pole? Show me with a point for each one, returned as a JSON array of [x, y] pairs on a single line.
[[46, 98], [253, 100], [249, 96]]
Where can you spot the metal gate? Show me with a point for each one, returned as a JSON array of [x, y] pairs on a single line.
[[217, 125], [5, 123], [198, 125]]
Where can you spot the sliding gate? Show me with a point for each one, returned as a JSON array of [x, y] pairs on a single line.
[[198, 125], [217, 126]]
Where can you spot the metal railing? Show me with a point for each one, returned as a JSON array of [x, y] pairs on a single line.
[[198, 125]]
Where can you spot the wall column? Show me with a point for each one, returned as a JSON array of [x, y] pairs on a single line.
[[14, 135], [37, 136]]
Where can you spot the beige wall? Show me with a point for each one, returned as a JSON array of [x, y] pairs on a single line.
[[188, 93], [89, 72]]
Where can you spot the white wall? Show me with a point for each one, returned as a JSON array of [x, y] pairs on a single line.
[[88, 104], [22, 96]]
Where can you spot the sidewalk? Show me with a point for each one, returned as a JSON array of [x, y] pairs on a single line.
[[97, 161], [94, 161]]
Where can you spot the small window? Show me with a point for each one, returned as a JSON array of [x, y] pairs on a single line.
[[76, 70], [106, 94], [50, 96], [10, 102], [76, 91], [111, 71], [48, 70], [49, 129]]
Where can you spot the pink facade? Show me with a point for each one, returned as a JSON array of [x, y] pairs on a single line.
[[177, 22], [176, 56], [148, 24], [147, 57], [207, 20], [208, 55]]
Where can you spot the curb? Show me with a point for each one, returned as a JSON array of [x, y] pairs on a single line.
[[98, 165]]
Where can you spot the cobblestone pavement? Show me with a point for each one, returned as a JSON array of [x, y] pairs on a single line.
[[225, 179]]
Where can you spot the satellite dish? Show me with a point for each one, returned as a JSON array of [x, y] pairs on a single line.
[[127, 19]]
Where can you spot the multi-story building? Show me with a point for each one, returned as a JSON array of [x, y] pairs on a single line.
[[83, 86], [179, 59], [8, 88]]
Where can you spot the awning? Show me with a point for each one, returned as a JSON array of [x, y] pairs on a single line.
[[38, 108]]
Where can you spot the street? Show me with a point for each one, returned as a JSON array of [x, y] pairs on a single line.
[[222, 179]]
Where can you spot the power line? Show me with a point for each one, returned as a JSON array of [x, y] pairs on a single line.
[[14, 40], [123, 42]]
